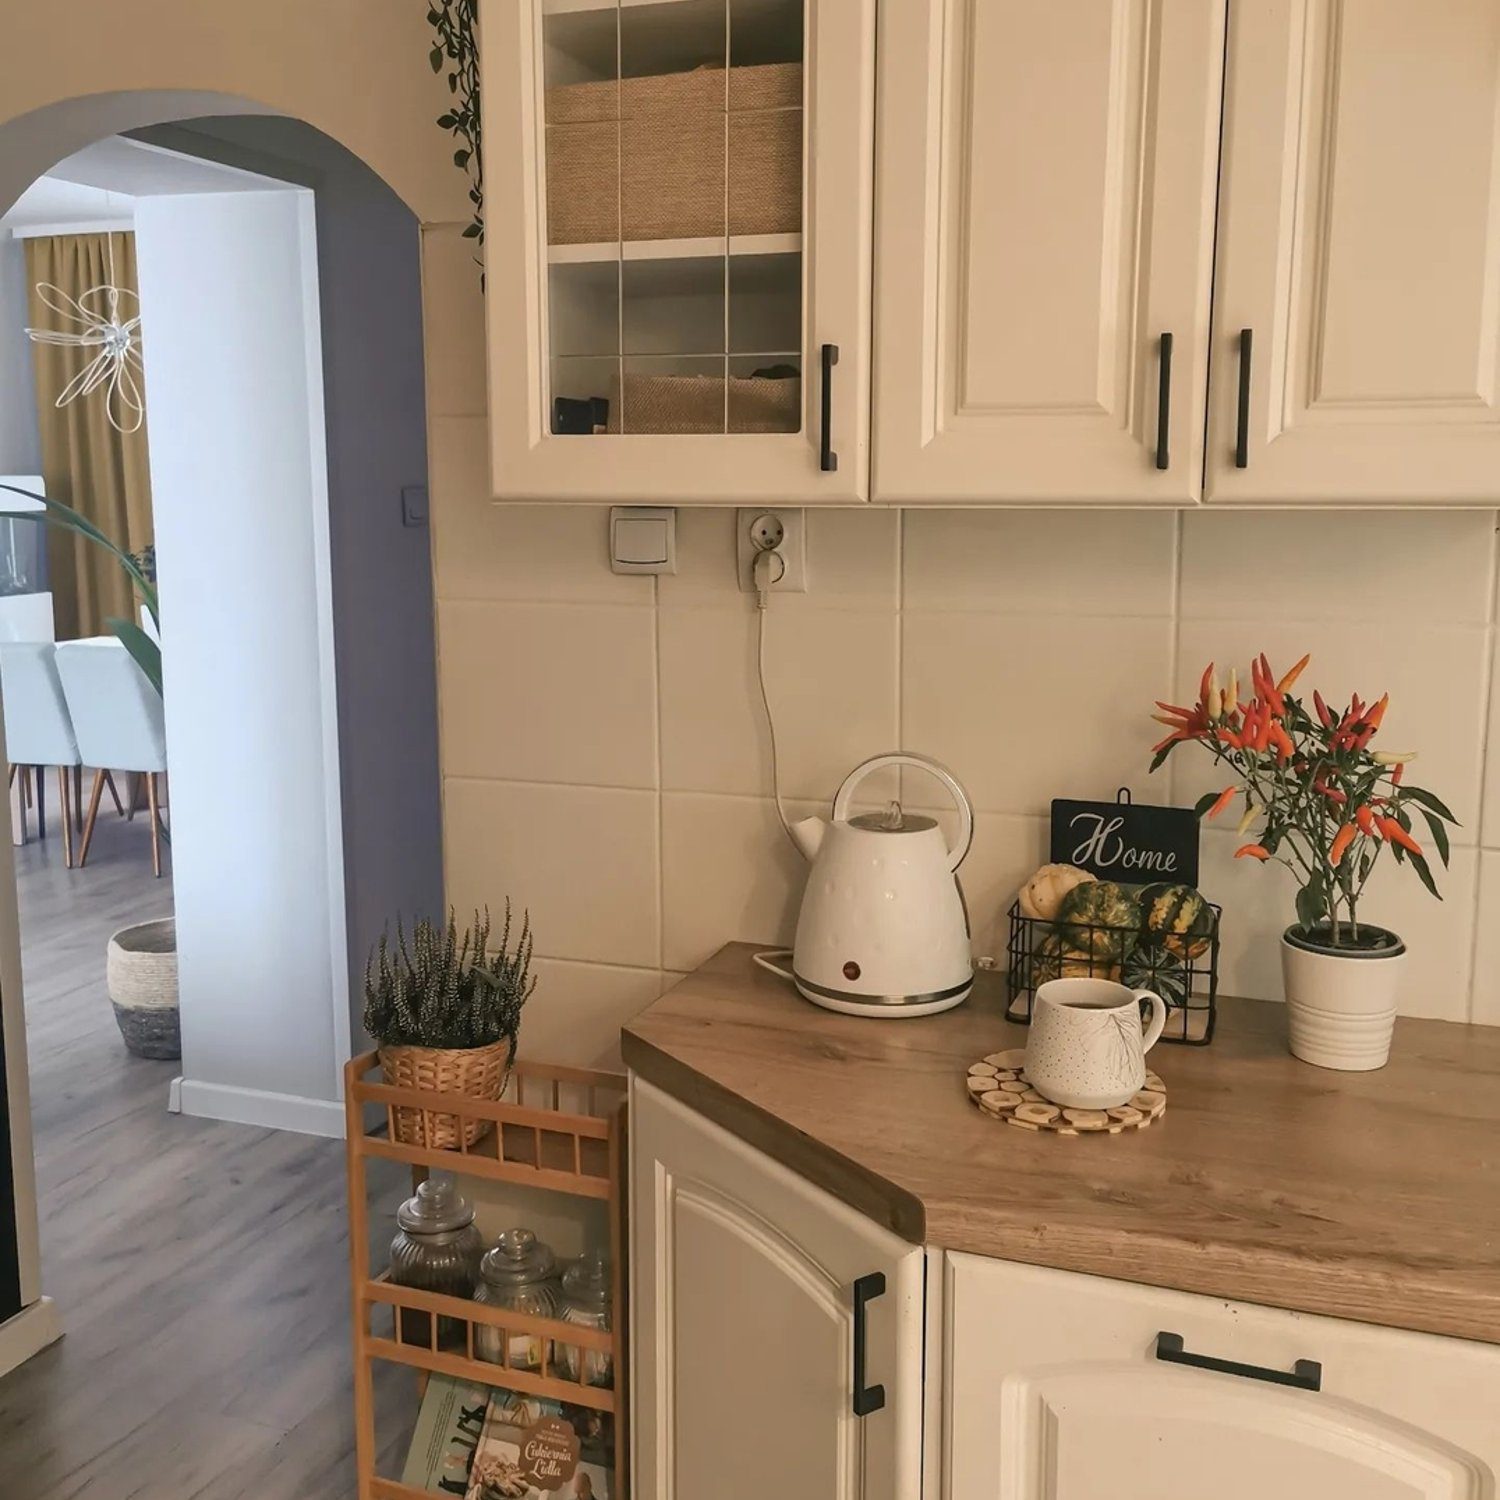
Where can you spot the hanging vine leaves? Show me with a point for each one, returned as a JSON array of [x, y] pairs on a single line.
[[453, 24]]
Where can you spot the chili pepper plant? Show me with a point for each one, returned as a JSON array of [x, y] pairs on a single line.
[[1326, 804]]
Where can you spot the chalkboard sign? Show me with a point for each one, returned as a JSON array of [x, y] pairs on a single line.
[[1126, 841]]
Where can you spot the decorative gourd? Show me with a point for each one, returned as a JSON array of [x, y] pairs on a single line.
[[1043, 894], [1178, 918], [1055, 959], [1150, 966], [1101, 917]]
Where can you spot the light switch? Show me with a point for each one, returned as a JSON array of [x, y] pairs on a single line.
[[643, 539]]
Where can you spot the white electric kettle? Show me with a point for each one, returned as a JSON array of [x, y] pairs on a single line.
[[883, 930]]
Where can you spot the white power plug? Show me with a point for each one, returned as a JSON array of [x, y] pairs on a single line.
[[771, 552]]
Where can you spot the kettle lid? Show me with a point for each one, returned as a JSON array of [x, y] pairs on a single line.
[[893, 820]]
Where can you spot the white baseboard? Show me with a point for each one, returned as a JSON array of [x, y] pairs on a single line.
[[174, 1096], [220, 1101], [28, 1333]]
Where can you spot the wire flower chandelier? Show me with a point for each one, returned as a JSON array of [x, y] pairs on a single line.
[[101, 324]]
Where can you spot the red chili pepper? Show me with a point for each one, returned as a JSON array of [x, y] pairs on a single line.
[[1253, 851], [1394, 833], [1222, 801], [1366, 820], [1208, 677], [1274, 700], [1333, 794], [1263, 733], [1397, 772], [1325, 717], [1171, 739], [1228, 737], [1341, 841]]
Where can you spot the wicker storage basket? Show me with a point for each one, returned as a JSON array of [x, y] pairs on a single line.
[[477, 1072], [695, 404], [140, 970], [645, 158]]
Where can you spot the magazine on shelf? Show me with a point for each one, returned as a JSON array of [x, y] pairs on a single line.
[[535, 1449], [448, 1429]]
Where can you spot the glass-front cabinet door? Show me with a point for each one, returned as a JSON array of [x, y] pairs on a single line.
[[677, 248]]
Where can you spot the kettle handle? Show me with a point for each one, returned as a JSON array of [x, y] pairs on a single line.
[[845, 794]]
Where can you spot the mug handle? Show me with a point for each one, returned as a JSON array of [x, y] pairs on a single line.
[[1158, 1023]]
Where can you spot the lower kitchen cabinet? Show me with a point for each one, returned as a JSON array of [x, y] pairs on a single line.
[[744, 1326], [1054, 1387]]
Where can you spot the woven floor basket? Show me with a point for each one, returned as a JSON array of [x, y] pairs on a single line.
[[477, 1072], [140, 971], [697, 403]]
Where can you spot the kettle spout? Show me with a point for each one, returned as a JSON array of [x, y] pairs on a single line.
[[808, 835]]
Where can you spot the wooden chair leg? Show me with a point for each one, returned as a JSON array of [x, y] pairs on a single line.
[[12, 779], [132, 794], [77, 798], [155, 823], [64, 807], [88, 823], [114, 791], [26, 784], [41, 804]]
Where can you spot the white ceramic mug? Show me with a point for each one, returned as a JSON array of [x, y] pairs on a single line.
[[1086, 1048]]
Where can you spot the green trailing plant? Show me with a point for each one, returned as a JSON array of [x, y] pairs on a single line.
[[136, 641], [438, 987], [452, 22]]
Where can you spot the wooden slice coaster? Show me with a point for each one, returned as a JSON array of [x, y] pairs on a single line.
[[1000, 1088]]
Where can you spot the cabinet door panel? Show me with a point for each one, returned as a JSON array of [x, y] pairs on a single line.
[[742, 1277], [1044, 214], [1054, 1392], [1360, 242], [678, 218]]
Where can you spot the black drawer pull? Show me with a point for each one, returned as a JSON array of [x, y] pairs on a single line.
[[1305, 1374], [1164, 403], [1242, 427], [828, 460], [867, 1398]]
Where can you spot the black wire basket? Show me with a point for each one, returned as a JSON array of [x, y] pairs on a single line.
[[1182, 968]]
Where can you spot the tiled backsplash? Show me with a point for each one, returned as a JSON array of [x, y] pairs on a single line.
[[607, 765]]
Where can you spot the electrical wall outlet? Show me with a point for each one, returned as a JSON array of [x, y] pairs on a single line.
[[782, 532]]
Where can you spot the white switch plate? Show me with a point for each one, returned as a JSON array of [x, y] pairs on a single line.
[[643, 539], [793, 549]]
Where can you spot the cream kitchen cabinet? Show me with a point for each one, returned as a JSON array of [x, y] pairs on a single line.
[[1045, 229], [1073, 1387], [1359, 247], [753, 1342], [678, 248]]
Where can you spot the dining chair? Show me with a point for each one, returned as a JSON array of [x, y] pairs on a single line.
[[39, 729], [117, 717]]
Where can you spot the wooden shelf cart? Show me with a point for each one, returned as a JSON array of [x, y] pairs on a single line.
[[556, 1128]]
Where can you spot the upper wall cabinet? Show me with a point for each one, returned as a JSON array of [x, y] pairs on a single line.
[[1359, 251], [1045, 224], [678, 248]]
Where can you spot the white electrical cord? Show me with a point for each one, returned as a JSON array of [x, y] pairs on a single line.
[[761, 576]]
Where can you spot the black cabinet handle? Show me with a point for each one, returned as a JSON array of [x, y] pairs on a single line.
[[867, 1398], [1305, 1374], [828, 460], [1164, 403], [1242, 427]]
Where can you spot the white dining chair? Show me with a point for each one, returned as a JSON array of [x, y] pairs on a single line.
[[39, 729], [117, 717]]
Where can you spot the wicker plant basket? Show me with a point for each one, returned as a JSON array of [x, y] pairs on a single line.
[[697, 404], [140, 970], [476, 1072]]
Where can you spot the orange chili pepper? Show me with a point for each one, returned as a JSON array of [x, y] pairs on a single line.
[[1228, 737], [1208, 677], [1253, 851], [1333, 794], [1394, 833], [1366, 820], [1397, 772], [1376, 714], [1293, 674], [1341, 841], [1222, 801], [1274, 700], [1283, 742]]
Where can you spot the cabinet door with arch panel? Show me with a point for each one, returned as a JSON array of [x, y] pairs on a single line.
[[1045, 223], [777, 1334], [1357, 298], [1074, 1387]]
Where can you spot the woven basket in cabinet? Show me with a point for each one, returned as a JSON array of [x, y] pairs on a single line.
[[475, 1072]]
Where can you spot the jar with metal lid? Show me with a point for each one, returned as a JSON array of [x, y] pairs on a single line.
[[436, 1249], [587, 1289], [518, 1272]]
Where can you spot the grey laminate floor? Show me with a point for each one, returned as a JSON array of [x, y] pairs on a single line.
[[201, 1269]]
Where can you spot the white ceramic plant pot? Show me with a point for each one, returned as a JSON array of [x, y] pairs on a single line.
[[1341, 1005]]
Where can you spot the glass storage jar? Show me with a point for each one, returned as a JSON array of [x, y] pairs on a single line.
[[518, 1272], [586, 1295], [437, 1248]]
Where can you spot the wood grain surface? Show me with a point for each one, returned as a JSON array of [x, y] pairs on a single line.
[[1373, 1196]]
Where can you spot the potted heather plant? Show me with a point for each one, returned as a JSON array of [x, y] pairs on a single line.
[[1328, 806], [445, 1009]]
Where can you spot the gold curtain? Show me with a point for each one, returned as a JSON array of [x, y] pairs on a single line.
[[86, 463]]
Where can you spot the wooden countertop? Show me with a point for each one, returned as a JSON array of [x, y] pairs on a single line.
[[1373, 1196]]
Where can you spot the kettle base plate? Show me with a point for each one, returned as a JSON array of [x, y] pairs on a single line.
[[884, 1007]]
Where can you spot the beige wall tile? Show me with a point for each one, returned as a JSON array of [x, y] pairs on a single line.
[[453, 316], [1432, 672], [1024, 711], [1044, 563], [831, 676], [1490, 830], [482, 550], [1486, 1005], [851, 561], [548, 692], [583, 860], [1007, 851], [1326, 565], [729, 873], [577, 1011]]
